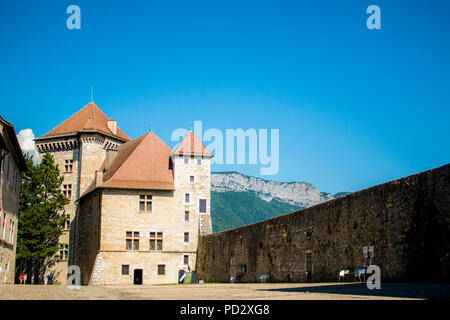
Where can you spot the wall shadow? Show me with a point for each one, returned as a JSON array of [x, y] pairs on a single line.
[[432, 291]]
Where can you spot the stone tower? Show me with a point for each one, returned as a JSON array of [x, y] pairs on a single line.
[[192, 178], [79, 146]]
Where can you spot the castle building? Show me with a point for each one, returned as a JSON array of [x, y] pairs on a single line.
[[12, 164], [137, 208]]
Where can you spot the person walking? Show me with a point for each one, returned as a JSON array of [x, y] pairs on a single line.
[[21, 279], [25, 278]]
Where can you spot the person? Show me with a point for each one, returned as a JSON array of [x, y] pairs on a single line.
[[25, 278], [1, 271], [21, 279]]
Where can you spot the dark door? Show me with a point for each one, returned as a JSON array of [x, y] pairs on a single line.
[[308, 266], [137, 276]]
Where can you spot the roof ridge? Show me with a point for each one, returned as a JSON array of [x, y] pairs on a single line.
[[73, 114], [92, 110]]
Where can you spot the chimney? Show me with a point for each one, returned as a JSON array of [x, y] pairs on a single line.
[[110, 157], [112, 126], [98, 178]]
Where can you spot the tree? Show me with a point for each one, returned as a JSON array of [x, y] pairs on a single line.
[[40, 220]]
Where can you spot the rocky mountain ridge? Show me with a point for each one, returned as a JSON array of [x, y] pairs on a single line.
[[300, 194]]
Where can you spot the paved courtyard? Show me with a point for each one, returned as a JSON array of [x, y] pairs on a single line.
[[288, 291]]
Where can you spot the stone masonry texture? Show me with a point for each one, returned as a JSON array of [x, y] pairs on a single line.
[[407, 221]]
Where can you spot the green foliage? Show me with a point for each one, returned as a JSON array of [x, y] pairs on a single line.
[[236, 209], [40, 221]]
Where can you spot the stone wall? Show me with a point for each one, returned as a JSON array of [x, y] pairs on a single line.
[[9, 216], [87, 234], [59, 270], [406, 220], [104, 218], [87, 152]]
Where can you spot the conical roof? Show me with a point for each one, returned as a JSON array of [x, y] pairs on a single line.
[[191, 146]]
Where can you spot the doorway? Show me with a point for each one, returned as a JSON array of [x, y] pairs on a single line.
[[137, 279], [308, 267]]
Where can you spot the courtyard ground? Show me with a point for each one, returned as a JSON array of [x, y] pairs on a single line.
[[242, 291]]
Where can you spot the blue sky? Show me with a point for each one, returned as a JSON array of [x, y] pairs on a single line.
[[355, 107]]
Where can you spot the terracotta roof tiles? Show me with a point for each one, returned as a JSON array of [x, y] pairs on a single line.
[[192, 146], [89, 118], [142, 163]]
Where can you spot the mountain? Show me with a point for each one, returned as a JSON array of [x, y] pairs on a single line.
[[238, 199]]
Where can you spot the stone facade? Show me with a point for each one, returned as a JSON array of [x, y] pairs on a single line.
[[12, 165], [104, 205], [407, 221], [78, 152], [77, 157], [106, 215]]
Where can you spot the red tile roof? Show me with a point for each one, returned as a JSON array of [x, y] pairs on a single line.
[[89, 118], [142, 163], [192, 146]]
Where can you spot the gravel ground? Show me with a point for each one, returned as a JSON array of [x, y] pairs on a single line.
[[272, 291]]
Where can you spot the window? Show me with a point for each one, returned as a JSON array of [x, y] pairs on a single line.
[[191, 178], [14, 179], [161, 269], [202, 205], [3, 226], [186, 198], [7, 172], [67, 191], [132, 241], [186, 237], [68, 166], [186, 161], [145, 202], [156, 241], [66, 222], [64, 251], [11, 231], [125, 269], [4, 164], [136, 241], [186, 216], [186, 260], [199, 162]]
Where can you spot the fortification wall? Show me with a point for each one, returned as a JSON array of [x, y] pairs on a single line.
[[406, 220]]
